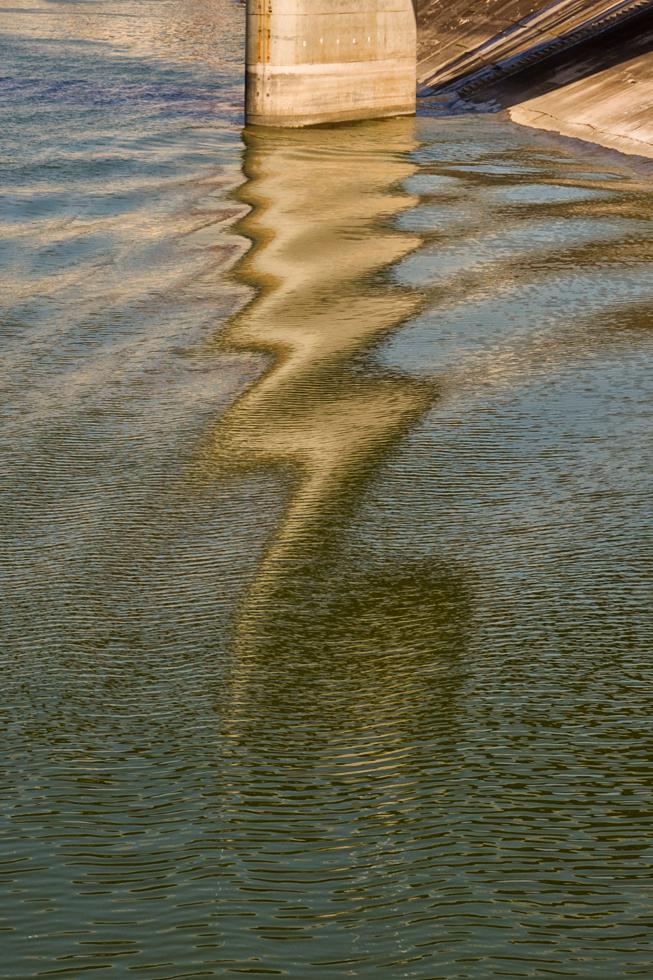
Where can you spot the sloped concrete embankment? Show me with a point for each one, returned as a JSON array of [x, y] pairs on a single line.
[[613, 108], [468, 42], [582, 68]]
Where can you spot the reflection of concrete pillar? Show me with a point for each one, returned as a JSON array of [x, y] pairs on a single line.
[[316, 61]]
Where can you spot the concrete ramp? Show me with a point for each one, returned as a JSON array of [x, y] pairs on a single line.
[[583, 68], [453, 34], [600, 92], [475, 43]]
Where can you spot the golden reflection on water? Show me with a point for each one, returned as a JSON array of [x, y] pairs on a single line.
[[321, 225], [341, 660], [329, 636]]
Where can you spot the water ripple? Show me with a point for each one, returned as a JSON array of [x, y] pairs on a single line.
[[326, 539]]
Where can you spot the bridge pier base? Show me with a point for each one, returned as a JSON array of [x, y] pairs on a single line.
[[320, 61]]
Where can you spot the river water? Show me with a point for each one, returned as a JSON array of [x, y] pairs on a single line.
[[326, 527]]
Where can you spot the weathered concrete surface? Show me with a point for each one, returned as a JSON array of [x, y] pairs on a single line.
[[613, 108], [466, 38], [317, 61], [599, 90], [579, 67], [449, 32], [583, 68]]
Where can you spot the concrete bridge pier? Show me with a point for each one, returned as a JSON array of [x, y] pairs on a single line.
[[320, 61]]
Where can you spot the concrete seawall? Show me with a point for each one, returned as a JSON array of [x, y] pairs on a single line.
[[582, 68], [603, 96], [449, 32], [612, 109], [471, 42]]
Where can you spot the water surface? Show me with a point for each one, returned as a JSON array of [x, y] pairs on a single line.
[[326, 528]]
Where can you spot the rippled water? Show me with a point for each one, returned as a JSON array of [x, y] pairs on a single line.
[[326, 528]]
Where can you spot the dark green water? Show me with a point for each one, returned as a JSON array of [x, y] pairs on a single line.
[[326, 528]]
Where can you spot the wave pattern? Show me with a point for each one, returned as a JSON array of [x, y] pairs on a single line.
[[326, 544]]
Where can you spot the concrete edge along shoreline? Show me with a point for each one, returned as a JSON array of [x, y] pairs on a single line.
[[613, 109], [579, 68]]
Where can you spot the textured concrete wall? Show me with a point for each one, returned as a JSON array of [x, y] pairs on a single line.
[[601, 91], [460, 39], [316, 61], [448, 31], [612, 108], [583, 68]]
